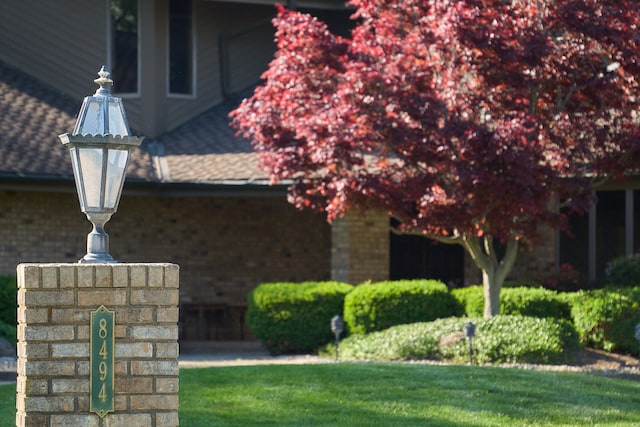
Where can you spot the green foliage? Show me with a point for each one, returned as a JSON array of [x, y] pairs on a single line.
[[9, 332], [606, 318], [525, 301], [471, 298], [377, 306], [8, 299], [623, 272], [295, 317], [500, 339], [8, 308]]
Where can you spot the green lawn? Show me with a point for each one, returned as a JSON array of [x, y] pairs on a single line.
[[367, 394]]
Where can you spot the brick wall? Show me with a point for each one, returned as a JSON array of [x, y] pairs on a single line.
[[360, 248], [224, 246], [55, 304]]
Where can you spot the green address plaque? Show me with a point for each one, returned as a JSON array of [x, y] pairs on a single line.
[[101, 361]]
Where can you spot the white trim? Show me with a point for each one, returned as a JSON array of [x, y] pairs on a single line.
[[194, 56]]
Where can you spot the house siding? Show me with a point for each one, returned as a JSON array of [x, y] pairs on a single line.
[[63, 41]]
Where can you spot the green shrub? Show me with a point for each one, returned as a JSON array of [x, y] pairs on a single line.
[[524, 301], [8, 308], [623, 272], [295, 317], [8, 299], [377, 306], [471, 298], [606, 318], [9, 332], [500, 339]]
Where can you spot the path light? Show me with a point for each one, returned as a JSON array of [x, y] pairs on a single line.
[[100, 146], [337, 326], [470, 333], [638, 334]]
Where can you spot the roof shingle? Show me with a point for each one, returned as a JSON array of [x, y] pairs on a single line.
[[32, 115]]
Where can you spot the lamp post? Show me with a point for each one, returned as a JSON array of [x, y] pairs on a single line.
[[100, 146]]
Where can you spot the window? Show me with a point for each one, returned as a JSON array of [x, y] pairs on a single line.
[[124, 45], [180, 48]]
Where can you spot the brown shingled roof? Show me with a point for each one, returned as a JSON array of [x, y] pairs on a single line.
[[32, 115], [206, 150]]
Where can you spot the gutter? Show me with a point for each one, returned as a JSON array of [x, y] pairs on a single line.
[[136, 187]]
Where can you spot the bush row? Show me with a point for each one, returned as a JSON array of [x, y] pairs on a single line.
[[525, 301], [377, 306], [293, 318]]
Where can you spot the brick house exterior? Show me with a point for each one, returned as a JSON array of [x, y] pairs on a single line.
[[194, 195]]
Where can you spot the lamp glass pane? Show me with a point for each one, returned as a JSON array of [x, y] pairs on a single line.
[[92, 120], [79, 188], [91, 168], [117, 122], [116, 165]]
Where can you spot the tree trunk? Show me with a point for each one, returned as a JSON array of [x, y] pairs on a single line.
[[491, 287], [494, 270]]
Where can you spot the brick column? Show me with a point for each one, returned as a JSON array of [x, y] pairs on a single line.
[[55, 302], [360, 247]]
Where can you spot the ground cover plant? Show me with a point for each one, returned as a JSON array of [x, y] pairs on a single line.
[[500, 339]]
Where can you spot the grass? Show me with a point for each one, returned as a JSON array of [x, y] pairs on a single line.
[[366, 394]]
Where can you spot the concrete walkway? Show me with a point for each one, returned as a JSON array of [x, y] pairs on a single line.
[[201, 354]]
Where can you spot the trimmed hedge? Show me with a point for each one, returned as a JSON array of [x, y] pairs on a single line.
[[377, 306], [524, 301], [8, 308], [500, 339], [8, 299], [295, 317], [606, 318], [623, 271]]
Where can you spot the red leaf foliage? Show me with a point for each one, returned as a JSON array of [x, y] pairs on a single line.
[[454, 116]]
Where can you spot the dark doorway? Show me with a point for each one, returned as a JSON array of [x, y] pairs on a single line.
[[416, 257]]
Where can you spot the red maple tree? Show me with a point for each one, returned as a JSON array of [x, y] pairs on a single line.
[[471, 122]]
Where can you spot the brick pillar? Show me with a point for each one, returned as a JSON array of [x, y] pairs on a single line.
[[55, 302], [360, 247]]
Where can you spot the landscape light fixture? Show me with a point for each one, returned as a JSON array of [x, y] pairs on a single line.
[[470, 333], [337, 326], [100, 147]]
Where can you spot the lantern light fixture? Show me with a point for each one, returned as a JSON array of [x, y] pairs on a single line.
[[100, 146]]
